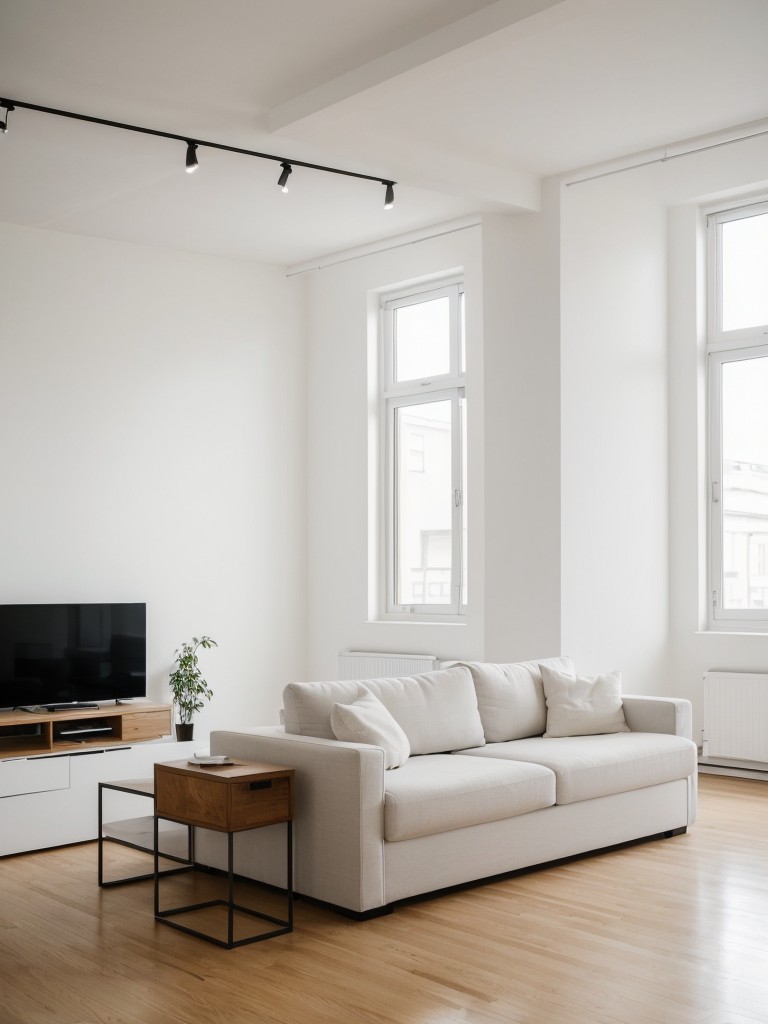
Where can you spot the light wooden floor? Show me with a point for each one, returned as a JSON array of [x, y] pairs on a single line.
[[666, 932]]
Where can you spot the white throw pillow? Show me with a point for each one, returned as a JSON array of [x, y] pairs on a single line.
[[582, 705], [366, 720]]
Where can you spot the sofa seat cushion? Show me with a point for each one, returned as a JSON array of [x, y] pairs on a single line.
[[510, 698], [441, 792], [437, 711], [593, 766]]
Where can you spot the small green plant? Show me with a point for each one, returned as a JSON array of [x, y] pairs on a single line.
[[186, 682]]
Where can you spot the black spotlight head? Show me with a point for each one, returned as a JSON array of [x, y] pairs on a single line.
[[389, 195], [4, 124], [286, 172], [192, 164]]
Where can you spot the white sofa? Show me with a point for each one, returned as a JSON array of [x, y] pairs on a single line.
[[484, 790]]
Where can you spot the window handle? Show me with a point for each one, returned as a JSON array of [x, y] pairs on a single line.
[[457, 498], [715, 492]]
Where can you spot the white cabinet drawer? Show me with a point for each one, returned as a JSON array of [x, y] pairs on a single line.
[[103, 765], [33, 775], [111, 763], [36, 821], [49, 801]]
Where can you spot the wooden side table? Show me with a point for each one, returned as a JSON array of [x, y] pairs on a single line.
[[226, 798]]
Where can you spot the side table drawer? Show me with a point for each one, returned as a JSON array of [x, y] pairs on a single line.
[[216, 803], [260, 803], [193, 800]]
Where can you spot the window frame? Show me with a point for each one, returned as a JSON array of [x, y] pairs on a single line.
[[395, 395], [724, 347]]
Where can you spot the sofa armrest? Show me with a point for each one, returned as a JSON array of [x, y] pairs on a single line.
[[659, 714], [338, 811]]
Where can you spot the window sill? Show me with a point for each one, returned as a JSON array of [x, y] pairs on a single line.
[[732, 632], [411, 621]]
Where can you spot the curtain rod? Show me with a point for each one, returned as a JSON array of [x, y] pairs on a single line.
[[666, 158]]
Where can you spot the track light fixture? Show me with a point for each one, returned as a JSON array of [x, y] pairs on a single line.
[[287, 170], [193, 145], [4, 124], [192, 163]]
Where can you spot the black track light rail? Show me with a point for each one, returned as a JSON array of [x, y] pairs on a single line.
[[10, 104]]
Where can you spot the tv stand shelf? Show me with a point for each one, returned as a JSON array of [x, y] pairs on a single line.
[[26, 734]]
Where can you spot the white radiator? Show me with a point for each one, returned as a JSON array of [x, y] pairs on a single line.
[[370, 665], [736, 716]]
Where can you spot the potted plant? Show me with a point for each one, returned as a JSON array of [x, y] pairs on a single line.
[[189, 688]]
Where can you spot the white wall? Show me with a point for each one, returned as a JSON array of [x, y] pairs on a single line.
[[521, 310], [160, 443], [614, 429], [737, 172], [634, 480], [341, 301], [590, 432], [152, 432], [510, 266]]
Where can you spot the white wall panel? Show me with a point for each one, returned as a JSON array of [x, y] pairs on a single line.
[[614, 435], [152, 442]]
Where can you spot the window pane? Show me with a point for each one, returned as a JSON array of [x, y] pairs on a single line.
[[463, 333], [422, 339], [464, 531], [745, 272], [745, 483], [424, 503]]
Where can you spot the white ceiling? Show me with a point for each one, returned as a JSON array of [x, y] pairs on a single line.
[[467, 104]]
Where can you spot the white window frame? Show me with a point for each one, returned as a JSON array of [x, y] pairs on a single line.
[[725, 347], [395, 395]]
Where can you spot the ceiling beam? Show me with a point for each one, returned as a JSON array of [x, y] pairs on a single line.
[[484, 23]]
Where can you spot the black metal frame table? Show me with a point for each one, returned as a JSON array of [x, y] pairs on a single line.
[[229, 798], [145, 788]]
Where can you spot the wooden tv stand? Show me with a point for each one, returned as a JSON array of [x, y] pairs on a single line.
[[27, 733]]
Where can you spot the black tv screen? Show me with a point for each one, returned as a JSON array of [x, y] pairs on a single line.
[[66, 653]]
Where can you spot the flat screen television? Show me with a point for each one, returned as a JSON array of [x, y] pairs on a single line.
[[72, 653]]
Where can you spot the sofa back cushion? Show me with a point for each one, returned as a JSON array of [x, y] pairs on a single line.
[[510, 698], [437, 711]]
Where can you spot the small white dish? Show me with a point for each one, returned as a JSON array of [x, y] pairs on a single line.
[[210, 759]]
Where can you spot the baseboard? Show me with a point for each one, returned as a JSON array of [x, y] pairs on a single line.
[[740, 772]]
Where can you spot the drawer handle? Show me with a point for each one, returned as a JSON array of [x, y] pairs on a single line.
[[261, 785]]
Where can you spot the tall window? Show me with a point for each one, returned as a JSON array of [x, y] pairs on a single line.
[[738, 418], [424, 422]]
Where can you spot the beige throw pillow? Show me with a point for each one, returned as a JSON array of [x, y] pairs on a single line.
[[366, 720], [582, 705]]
